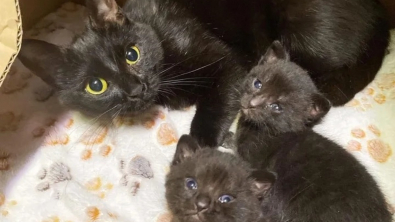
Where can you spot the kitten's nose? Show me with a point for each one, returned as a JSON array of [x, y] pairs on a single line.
[[256, 101], [202, 202]]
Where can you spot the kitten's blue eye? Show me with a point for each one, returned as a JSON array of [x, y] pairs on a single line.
[[191, 184], [225, 198], [275, 107], [257, 84], [132, 55]]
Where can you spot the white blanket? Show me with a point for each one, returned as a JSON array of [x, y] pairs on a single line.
[[57, 166]]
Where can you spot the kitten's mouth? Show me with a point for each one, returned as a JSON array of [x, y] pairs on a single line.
[[195, 215], [248, 111]]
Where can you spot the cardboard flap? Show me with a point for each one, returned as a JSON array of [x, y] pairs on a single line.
[[10, 35]]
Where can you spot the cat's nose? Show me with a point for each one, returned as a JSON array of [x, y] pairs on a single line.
[[137, 89], [202, 202]]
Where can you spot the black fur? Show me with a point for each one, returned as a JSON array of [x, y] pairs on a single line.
[[316, 180], [197, 52], [340, 43], [216, 174]]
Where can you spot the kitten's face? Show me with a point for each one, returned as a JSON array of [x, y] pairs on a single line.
[[111, 68], [280, 94], [211, 186]]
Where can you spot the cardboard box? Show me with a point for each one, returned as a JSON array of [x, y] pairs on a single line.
[[10, 35], [13, 12]]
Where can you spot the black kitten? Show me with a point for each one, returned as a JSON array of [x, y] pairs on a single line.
[[317, 180], [211, 186]]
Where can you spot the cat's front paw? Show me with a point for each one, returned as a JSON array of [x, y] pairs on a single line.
[[207, 138], [229, 141]]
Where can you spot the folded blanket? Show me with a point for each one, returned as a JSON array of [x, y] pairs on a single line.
[[58, 166]]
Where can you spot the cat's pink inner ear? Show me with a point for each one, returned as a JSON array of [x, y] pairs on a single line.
[[263, 185], [187, 153], [271, 58], [319, 107], [108, 9], [104, 11]]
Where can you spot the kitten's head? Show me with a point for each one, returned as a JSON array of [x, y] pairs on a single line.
[[208, 185], [112, 67], [281, 95]]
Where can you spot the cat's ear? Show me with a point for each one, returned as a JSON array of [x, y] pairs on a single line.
[[103, 12], [186, 147], [276, 51], [319, 107], [263, 180], [42, 58]]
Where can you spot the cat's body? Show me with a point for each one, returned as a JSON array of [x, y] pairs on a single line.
[[207, 185], [316, 179], [340, 43], [181, 52]]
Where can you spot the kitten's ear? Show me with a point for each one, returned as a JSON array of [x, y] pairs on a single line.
[[276, 51], [262, 182], [319, 108], [103, 12], [186, 147], [42, 58]]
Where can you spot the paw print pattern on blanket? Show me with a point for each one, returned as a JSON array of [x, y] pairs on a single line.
[[58, 172], [378, 92], [16, 81], [9, 121], [6, 206], [166, 135], [98, 186], [137, 168], [4, 162], [370, 138], [58, 134]]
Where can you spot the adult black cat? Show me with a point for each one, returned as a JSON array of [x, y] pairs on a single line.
[[151, 52], [165, 52], [316, 180]]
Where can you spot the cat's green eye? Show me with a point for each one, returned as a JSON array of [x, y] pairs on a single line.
[[96, 86], [132, 55]]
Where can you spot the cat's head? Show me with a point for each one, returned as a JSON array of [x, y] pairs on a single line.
[[111, 67], [207, 185], [280, 94]]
